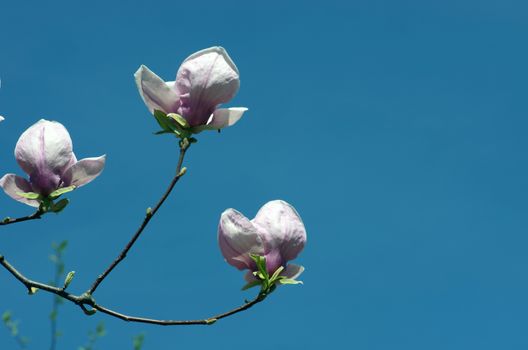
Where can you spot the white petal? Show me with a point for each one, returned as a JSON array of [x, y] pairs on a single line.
[[156, 93], [13, 185], [293, 271], [238, 238], [206, 79], [284, 227], [45, 146], [222, 118], [84, 171]]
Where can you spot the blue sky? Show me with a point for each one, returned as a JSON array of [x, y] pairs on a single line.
[[397, 130]]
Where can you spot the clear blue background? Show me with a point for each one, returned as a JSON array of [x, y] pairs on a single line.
[[396, 128]]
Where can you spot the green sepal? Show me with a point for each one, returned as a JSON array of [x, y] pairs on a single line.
[[60, 205], [260, 261], [179, 119], [276, 274], [29, 195], [289, 281], [57, 193], [172, 123]]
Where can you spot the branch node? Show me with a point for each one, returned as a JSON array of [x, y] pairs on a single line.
[[210, 321]]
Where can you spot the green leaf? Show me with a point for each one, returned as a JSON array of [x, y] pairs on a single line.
[[29, 195], [260, 261], [14, 329], [164, 121], [62, 246], [138, 341], [100, 330], [60, 205], [61, 191]]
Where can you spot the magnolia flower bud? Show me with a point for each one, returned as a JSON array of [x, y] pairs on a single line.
[[205, 80], [276, 233], [45, 153]]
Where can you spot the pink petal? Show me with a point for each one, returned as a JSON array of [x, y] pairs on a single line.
[[238, 238], [206, 79], [283, 227], [84, 171], [157, 94], [13, 185], [292, 271], [221, 118], [45, 147]]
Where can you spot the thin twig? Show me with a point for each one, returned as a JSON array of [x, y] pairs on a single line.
[[87, 300], [59, 272], [149, 215], [7, 221]]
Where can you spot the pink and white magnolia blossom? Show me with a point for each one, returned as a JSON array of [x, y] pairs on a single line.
[[45, 153], [277, 233], [205, 80]]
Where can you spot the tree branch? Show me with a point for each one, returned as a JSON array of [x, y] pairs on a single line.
[[86, 299], [36, 215], [184, 146]]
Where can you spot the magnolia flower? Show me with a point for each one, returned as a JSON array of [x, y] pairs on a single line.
[[277, 233], [44, 152], [205, 80], [1, 118]]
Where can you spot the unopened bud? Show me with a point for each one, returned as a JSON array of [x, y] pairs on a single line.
[[182, 172], [69, 278]]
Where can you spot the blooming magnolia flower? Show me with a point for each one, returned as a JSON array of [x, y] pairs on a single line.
[[205, 80], [45, 153], [277, 233]]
